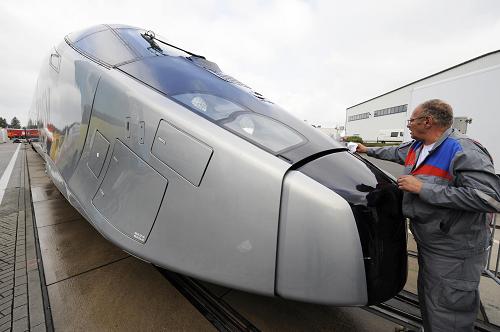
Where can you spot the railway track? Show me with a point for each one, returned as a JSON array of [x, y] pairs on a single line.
[[222, 316], [403, 309]]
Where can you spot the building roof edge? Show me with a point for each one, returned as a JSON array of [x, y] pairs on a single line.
[[432, 75]]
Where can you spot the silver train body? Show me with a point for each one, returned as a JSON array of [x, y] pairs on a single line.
[[189, 169]]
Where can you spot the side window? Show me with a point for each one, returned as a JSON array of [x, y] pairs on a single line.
[[106, 47], [77, 35]]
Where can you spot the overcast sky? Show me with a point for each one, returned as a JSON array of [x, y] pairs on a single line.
[[314, 58]]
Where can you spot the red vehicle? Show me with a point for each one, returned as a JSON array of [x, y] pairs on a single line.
[[31, 134], [15, 133]]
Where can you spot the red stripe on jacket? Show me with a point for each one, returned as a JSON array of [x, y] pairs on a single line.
[[431, 170], [410, 158]]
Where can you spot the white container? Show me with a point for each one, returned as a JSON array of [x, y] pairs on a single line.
[[352, 146]]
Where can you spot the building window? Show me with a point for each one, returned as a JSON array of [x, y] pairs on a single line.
[[359, 116], [390, 110]]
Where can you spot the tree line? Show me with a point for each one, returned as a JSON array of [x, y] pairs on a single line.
[[14, 123]]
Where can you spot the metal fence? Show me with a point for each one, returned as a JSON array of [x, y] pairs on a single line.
[[491, 268]]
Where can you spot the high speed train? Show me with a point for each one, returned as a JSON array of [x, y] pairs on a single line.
[[185, 167]]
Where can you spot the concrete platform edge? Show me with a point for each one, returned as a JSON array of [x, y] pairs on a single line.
[[39, 306]]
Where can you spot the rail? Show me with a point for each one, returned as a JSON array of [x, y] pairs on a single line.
[[404, 310], [222, 316], [492, 267], [491, 270]]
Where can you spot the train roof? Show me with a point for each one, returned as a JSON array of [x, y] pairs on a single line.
[[130, 49]]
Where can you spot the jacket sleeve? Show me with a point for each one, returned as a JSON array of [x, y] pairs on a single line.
[[476, 187], [396, 154]]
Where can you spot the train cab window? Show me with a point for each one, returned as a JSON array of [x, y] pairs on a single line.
[[146, 46], [211, 106], [105, 46], [265, 131], [77, 35]]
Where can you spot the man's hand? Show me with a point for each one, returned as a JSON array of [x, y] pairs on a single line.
[[409, 183], [361, 148]]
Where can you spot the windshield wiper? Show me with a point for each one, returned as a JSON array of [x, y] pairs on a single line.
[[150, 38]]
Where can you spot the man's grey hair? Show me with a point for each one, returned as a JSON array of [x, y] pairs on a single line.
[[440, 111]]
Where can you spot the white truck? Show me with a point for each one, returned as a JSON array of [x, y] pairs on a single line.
[[475, 98], [390, 135]]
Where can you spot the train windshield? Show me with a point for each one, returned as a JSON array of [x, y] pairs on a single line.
[[261, 130]]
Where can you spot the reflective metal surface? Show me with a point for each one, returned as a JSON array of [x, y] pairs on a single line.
[[319, 258], [121, 196], [376, 204]]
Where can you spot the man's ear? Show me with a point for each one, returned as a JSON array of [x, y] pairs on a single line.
[[429, 122]]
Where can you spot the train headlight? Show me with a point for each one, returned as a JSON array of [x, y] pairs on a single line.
[[247, 125], [199, 103]]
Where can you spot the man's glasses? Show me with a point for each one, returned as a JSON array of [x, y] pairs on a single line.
[[409, 121]]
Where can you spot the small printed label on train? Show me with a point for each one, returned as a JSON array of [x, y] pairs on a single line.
[[139, 236]]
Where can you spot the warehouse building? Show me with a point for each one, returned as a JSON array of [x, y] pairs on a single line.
[[383, 118]]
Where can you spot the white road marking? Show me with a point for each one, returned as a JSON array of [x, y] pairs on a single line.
[[4, 180]]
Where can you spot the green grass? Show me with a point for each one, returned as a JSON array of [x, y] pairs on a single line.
[[380, 144]]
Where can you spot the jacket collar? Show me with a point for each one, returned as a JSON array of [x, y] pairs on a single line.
[[417, 145], [440, 140]]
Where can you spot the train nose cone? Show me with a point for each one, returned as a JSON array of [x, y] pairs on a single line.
[[342, 217]]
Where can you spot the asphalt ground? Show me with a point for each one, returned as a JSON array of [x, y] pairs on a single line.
[[6, 152], [7, 163]]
